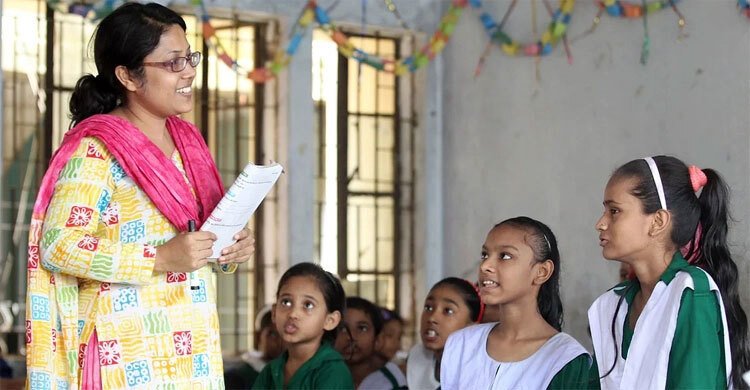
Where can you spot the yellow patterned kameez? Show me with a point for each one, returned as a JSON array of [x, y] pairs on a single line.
[[97, 248]]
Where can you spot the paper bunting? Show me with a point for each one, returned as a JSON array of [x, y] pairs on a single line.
[[626, 9], [744, 6], [544, 46]]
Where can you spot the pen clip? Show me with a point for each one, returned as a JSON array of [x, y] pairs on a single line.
[[194, 282]]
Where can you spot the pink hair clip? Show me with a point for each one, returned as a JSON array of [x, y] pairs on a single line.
[[697, 178]]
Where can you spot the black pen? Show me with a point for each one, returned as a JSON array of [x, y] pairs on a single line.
[[194, 282]]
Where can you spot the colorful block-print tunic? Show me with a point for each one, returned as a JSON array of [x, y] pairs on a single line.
[[99, 237]]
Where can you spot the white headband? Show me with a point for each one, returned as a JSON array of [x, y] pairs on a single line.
[[657, 181]]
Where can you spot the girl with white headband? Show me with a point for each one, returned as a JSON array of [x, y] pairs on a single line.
[[671, 325]]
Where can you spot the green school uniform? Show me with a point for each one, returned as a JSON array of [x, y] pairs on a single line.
[[325, 370], [696, 359], [573, 375]]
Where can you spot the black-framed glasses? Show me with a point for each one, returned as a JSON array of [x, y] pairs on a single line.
[[178, 64]]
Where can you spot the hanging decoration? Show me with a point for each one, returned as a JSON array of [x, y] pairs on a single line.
[[626, 9], [313, 12], [93, 12], [280, 60], [487, 47], [394, 10], [542, 47], [646, 46], [428, 52], [744, 6]]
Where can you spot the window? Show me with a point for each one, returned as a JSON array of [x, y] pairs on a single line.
[[365, 171]]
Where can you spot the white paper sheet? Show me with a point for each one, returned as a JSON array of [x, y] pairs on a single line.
[[239, 203]]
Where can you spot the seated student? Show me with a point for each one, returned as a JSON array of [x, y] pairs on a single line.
[[389, 341], [242, 375], [519, 273], [307, 312], [451, 304], [357, 341]]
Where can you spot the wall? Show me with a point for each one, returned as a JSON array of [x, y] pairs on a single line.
[[515, 146]]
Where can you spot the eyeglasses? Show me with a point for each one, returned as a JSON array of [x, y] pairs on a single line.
[[178, 64]]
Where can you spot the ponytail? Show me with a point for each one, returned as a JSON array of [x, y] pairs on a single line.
[[717, 261], [91, 96]]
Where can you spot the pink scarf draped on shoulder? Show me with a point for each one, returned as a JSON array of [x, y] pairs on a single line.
[[147, 165]]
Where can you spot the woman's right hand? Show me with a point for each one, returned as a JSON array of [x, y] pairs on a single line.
[[185, 252]]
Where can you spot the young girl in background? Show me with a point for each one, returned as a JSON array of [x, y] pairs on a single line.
[[670, 326], [390, 337], [519, 273], [451, 304], [307, 312], [358, 340], [388, 349], [242, 374]]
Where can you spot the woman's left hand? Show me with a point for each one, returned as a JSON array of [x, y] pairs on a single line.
[[241, 250]]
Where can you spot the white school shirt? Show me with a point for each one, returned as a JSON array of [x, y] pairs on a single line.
[[467, 365], [378, 381], [648, 357], [420, 369], [255, 360]]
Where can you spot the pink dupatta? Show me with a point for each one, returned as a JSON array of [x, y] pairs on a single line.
[[145, 163]]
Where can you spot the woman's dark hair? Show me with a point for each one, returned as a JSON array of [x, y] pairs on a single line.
[[123, 38], [544, 246], [711, 211], [370, 309], [329, 285], [467, 291]]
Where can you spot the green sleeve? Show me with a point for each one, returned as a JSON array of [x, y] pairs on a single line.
[[335, 375], [594, 381], [574, 375], [696, 360], [264, 379]]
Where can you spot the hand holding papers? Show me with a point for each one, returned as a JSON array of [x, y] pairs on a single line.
[[239, 203]]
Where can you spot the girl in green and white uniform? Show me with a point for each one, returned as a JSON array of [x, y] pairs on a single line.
[[678, 323]]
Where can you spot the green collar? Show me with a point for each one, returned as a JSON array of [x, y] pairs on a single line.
[[325, 353], [677, 264]]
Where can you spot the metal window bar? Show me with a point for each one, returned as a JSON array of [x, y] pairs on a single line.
[[383, 193], [234, 123]]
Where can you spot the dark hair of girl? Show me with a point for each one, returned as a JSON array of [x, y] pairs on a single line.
[[370, 309], [123, 38], [390, 315], [329, 285], [467, 291], [544, 245], [711, 211]]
